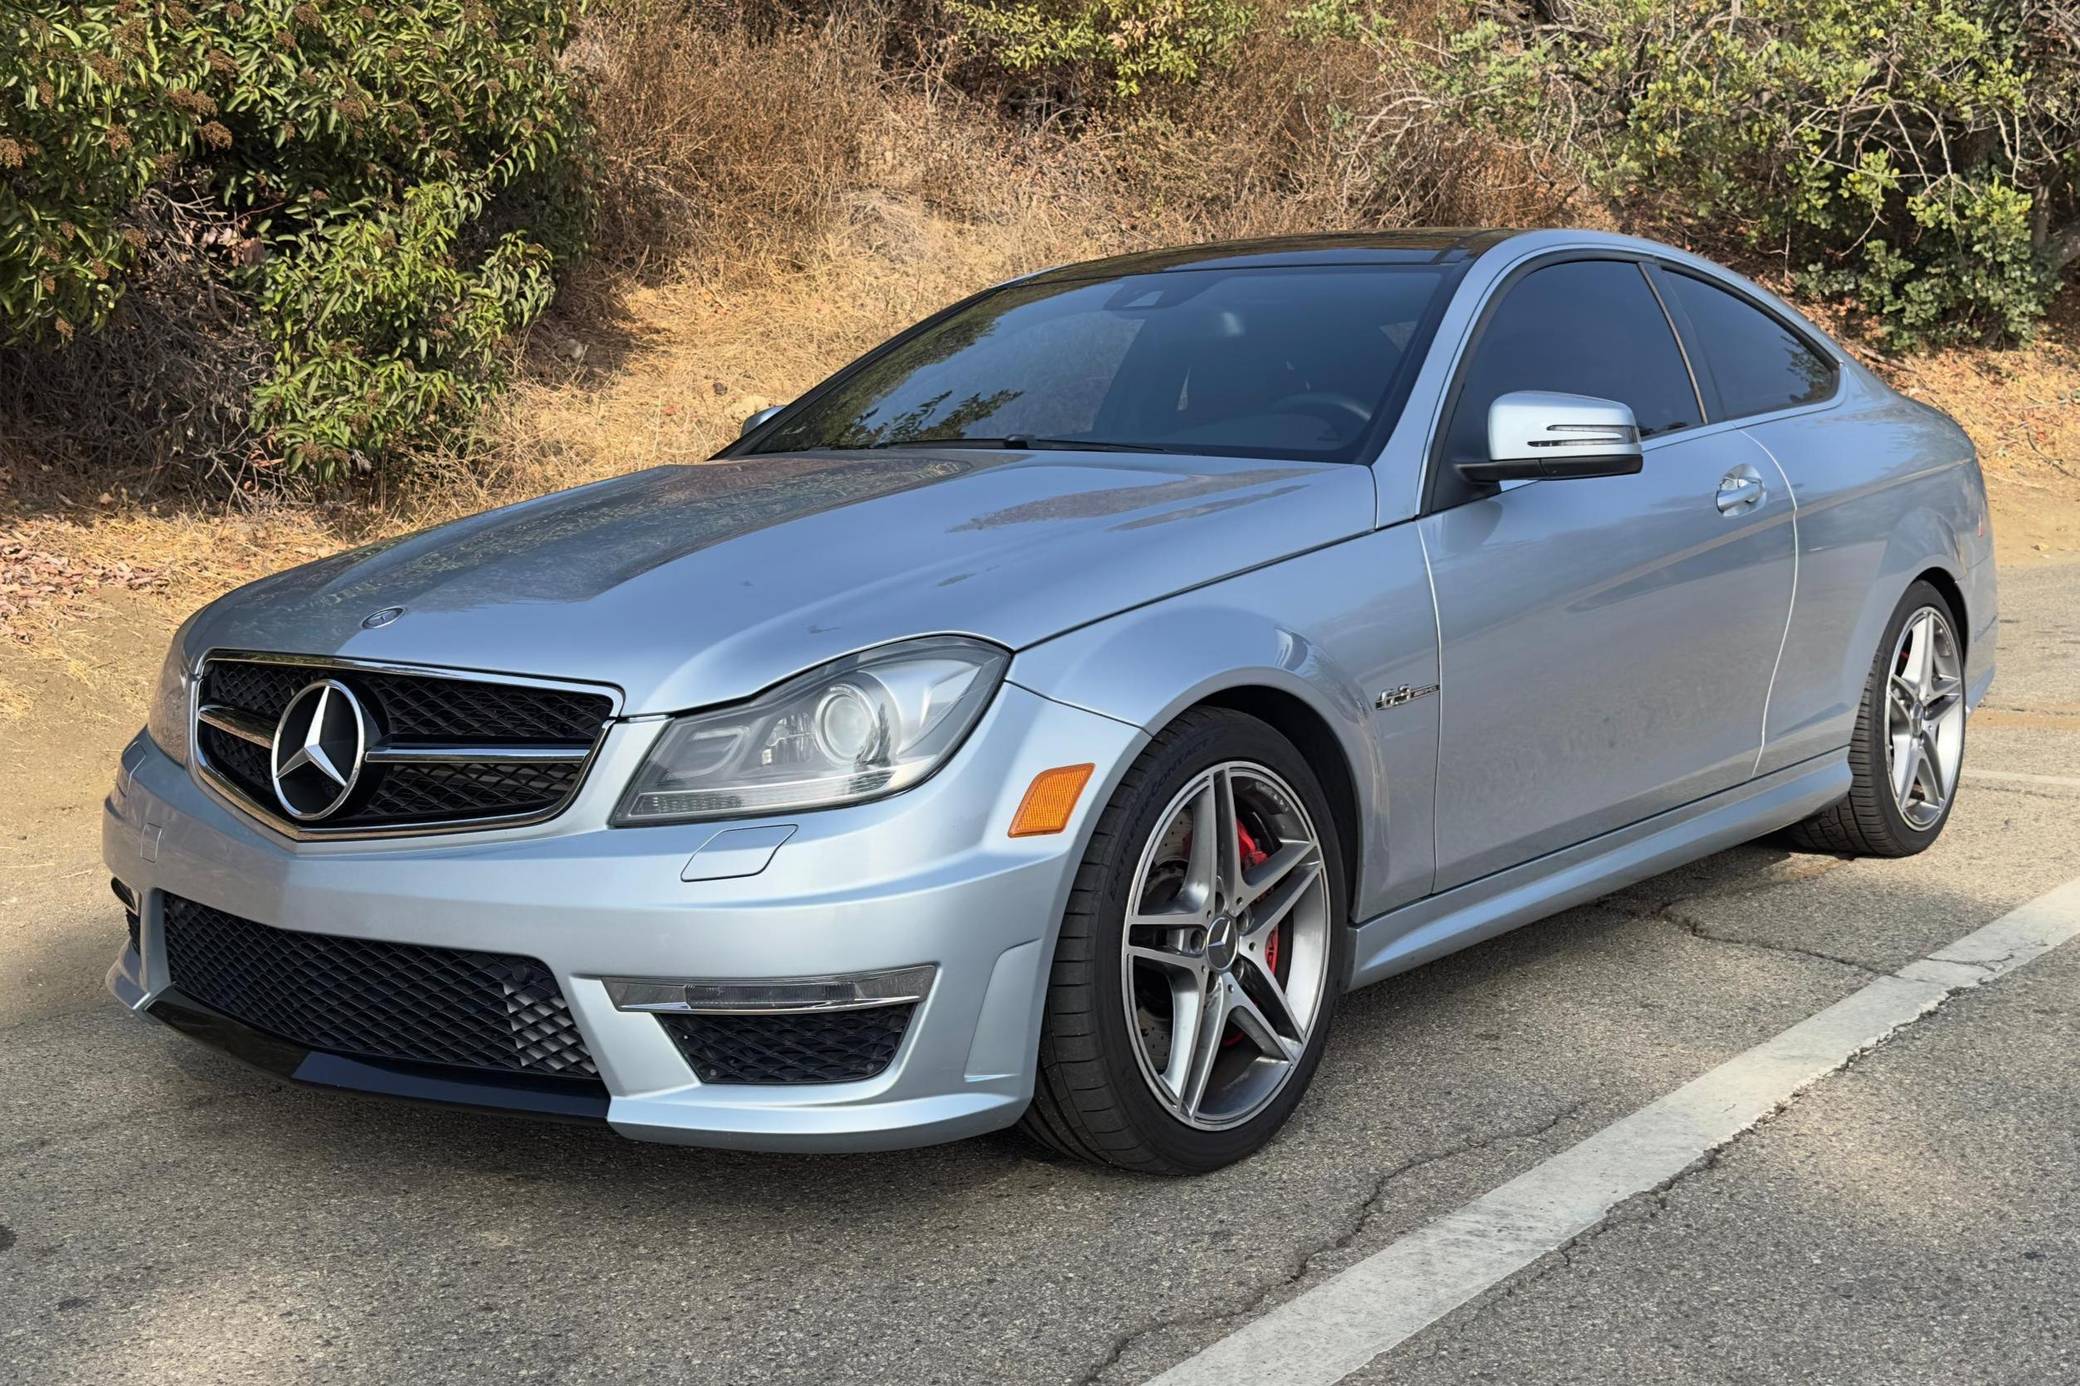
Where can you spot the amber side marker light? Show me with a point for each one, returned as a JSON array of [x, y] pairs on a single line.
[[1050, 800]]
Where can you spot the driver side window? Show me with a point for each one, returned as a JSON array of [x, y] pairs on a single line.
[[1583, 327]]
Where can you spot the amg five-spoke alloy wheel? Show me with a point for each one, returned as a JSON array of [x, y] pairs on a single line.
[[1226, 945], [1908, 747], [1924, 718], [1201, 955]]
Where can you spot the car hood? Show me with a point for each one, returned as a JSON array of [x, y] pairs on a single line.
[[700, 584]]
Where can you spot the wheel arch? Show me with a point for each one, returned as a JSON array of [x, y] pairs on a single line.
[[1923, 546], [1298, 722], [1945, 582], [1151, 668]]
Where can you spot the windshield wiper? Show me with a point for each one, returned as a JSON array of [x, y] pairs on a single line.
[[1021, 440]]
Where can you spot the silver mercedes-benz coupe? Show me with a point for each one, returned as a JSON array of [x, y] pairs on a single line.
[[1048, 717]]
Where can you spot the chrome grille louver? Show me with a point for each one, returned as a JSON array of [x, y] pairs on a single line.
[[446, 750]]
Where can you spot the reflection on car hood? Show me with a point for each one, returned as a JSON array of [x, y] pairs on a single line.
[[692, 585]]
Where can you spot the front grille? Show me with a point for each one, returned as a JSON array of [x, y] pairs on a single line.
[[808, 1047], [412, 711], [368, 999]]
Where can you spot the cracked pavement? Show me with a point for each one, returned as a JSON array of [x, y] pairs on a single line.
[[166, 1215]]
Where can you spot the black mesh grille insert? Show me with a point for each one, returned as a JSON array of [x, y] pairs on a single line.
[[413, 710], [813, 1047], [433, 792], [238, 759], [376, 1000]]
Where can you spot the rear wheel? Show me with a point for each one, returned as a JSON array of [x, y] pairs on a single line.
[[1200, 958], [1908, 747]]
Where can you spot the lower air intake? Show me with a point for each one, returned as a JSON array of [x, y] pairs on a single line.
[[370, 999]]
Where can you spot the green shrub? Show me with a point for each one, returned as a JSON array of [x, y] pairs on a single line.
[[1913, 157], [1075, 54], [383, 339], [390, 183]]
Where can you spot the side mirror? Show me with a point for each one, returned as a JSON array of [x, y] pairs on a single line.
[[1537, 434], [758, 420]]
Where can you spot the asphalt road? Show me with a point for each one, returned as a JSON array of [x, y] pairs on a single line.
[[166, 1215]]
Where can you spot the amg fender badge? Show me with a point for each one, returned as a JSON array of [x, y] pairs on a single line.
[[1395, 697]]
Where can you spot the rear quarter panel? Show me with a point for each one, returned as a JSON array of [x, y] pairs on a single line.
[[1887, 489]]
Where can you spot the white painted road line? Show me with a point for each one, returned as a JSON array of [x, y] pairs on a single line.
[[1332, 1330], [2022, 777]]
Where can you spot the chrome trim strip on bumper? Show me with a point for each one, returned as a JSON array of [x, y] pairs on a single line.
[[536, 753], [771, 996]]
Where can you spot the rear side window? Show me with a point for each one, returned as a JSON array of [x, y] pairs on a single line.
[[1756, 362], [1584, 327]]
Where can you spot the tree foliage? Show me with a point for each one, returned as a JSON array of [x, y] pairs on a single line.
[[1075, 54], [391, 182], [1917, 158]]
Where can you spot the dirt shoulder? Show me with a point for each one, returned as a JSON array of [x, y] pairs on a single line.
[[69, 706]]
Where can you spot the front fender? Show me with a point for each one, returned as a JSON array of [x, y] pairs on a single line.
[[1330, 630]]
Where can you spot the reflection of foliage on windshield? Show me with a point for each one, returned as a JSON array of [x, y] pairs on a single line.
[[841, 419], [916, 425]]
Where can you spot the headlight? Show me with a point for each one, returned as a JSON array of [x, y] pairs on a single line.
[[866, 726], [166, 721]]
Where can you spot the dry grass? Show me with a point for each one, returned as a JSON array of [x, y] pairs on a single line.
[[1311, 136], [715, 147]]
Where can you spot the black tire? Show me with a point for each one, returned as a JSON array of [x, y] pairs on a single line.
[[1866, 822], [1090, 1100]]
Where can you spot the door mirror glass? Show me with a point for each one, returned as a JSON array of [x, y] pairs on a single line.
[[757, 421], [1539, 434]]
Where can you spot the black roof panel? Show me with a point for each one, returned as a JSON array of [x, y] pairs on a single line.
[[1428, 246]]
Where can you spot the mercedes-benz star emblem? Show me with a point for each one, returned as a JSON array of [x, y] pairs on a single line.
[[376, 620], [319, 746]]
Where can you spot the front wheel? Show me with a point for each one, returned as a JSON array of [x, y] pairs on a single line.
[[1908, 747], [1200, 958]]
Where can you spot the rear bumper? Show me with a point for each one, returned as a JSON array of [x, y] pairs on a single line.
[[929, 876]]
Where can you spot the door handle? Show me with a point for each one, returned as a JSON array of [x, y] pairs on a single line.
[[1741, 489]]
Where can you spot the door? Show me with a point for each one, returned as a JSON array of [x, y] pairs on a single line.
[[1769, 377], [1607, 644]]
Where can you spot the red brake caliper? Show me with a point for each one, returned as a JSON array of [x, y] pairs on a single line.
[[1253, 857]]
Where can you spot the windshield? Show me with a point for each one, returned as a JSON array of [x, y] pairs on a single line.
[[1289, 363]]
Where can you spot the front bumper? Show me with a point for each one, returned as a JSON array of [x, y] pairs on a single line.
[[928, 876]]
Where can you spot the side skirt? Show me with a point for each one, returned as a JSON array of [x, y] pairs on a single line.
[[1428, 929]]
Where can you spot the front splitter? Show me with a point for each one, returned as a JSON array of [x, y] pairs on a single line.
[[556, 1099]]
